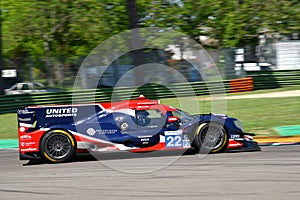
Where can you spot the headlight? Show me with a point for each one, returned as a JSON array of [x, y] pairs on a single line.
[[238, 124]]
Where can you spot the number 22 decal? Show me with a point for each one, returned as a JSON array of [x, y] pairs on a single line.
[[173, 141]]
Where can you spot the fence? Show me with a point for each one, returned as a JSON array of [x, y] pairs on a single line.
[[274, 79], [153, 91], [256, 80]]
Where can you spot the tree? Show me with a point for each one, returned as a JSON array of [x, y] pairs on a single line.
[[238, 23], [1, 58], [136, 42], [71, 28], [280, 16], [52, 28]]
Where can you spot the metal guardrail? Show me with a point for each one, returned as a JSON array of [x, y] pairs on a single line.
[[9, 104], [274, 79], [256, 80]]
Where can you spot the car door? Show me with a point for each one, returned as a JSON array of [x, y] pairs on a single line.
[[26, 88], [38, 87], [23, 88]]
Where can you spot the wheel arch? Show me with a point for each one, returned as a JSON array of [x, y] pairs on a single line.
[[214, 121], [58, 129]]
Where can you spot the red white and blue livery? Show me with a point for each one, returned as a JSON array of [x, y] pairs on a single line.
[[57, 133]]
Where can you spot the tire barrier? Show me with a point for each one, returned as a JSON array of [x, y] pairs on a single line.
[[241, 85]]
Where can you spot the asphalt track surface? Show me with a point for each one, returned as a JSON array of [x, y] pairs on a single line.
[[273, 173]]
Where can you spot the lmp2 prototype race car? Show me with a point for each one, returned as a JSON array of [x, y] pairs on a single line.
[[57, 133]]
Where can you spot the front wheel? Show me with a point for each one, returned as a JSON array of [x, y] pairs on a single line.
[[211, 138], [57, 146]]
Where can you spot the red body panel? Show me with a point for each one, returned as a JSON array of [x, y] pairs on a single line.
[[29, 142], [233, 144], [140, 104]]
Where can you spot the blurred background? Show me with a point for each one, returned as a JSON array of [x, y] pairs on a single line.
[[46, 41], [254, 44]]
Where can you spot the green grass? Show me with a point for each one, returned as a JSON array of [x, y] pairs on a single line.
[[8, 126], [259, 116], [262, 115], [281, 89]]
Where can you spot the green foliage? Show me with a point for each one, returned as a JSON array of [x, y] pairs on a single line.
[[281, 16], [29, 24], [74, 27]]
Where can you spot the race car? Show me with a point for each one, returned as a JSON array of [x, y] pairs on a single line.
[[58, 133]]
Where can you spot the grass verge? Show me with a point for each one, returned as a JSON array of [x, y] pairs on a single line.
[[259, 116], [8, 126]]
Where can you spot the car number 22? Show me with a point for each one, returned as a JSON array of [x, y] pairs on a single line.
[[173, 139]]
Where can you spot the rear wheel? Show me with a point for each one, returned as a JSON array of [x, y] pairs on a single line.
[[211, 138], [57, 146]]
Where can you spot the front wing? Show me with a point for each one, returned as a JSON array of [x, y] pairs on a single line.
[[242, 144]]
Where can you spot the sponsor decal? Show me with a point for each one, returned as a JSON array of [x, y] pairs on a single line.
[[25, 112], [111, 148], [27, 144], [124, 126], [25, 137], [144, 136], [234, 136], [178, 132], [145, 140], [24, 119], [61, 112], [186, 143], [22, 129], [29, 149], [92, 132]]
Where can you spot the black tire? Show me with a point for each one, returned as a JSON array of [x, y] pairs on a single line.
[[57, 146], [211, 137]]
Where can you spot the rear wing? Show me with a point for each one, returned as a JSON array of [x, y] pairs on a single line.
[[40, 116]]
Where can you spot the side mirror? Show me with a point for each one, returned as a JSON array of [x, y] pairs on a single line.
[[173, 119]]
